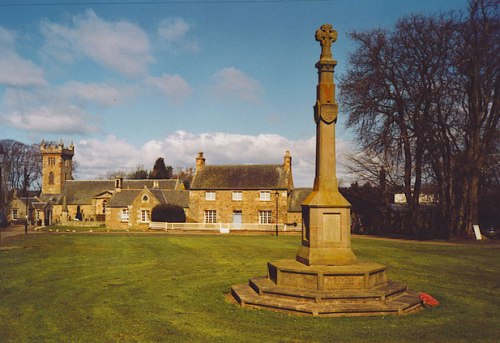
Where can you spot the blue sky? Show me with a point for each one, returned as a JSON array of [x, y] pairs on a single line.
[[130, 83]]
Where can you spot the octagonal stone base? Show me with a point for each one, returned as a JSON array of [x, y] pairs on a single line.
[[361, 289]]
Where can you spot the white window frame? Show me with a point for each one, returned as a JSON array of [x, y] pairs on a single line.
[[125, 216], [265, 217], [145, 216], [210, 195], [265, 196], [15, 214], [237, 196], [210, 216]]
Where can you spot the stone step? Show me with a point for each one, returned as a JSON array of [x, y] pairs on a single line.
[[403, 303], [265, 286]]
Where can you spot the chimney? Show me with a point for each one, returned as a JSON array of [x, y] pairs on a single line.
[[156, 184], [118, 184], [200, 162], [287, 162]]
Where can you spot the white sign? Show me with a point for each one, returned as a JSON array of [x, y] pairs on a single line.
[[477, 232]]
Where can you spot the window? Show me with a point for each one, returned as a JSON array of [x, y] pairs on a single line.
[[237, 196], [265, 217], [145, 216], [145, 198], [210, 216], [265, 196], [15, 214], [210, 196], [125, 215], [51, 178], [52, 161], [104, 206]]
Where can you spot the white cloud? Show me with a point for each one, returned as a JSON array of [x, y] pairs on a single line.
[[173, 29], [16, 71], [60, 109], [121, 46], [233, 84], [174, 87], [64, 119], [98, 93], [180, 150], [95, 157], [174, 33], [7, 38]]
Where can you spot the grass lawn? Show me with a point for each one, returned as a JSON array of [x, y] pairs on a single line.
[[150, 288]]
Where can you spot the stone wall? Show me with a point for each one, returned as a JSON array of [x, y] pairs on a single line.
[[250, 205]]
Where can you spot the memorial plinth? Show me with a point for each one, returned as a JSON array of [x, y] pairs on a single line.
[[325, 279]]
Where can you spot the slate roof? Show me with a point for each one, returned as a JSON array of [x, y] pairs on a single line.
[[123, 198], [258, 176], [297, 196], [81, 192], [179, 198], [126, 197]]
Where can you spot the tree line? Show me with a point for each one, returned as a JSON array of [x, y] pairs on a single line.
[[423, 100]]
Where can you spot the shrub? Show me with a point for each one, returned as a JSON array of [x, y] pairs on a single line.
[[168, 213]]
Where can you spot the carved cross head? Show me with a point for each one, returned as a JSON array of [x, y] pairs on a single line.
[[326, 35]]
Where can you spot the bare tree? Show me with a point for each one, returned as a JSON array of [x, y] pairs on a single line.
[[425, 97], [23, 165]]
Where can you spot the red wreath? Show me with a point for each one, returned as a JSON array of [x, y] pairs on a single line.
[[428, 299]]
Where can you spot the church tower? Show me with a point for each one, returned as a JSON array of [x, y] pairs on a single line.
[[57, 166]]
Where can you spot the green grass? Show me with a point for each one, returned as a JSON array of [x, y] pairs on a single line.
[[157, 288]]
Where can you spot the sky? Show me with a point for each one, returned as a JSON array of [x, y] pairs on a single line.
[[128, 82]]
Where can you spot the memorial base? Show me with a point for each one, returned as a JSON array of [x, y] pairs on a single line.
[[361, 289]]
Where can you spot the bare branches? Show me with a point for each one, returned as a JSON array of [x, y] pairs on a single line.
[[425, 97]]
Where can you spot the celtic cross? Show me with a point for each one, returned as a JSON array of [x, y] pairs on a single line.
[[326, 35]]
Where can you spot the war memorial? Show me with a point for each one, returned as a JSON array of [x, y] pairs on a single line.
[[325, 278]]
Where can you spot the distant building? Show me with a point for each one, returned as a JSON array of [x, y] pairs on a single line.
[[400, 198], [63, 199], [133, 207], [22, 206]]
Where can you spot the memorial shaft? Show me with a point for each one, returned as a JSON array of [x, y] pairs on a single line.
[[326, 238]]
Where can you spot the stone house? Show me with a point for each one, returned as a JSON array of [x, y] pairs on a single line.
[[133, 207], [22, 206], [236, 194]]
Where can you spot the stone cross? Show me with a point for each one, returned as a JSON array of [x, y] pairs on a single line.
[[326, 235], [326, 35]]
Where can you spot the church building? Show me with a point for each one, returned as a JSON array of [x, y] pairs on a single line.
[[64, 199]]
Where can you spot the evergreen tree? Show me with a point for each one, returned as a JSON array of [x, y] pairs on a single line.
[[160, 171]]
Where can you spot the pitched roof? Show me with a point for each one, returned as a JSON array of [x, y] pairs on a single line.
[[179, 198], [126, 196], [123, 198], [258, 176], [149, 183], [297, 196], [81, 192]]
